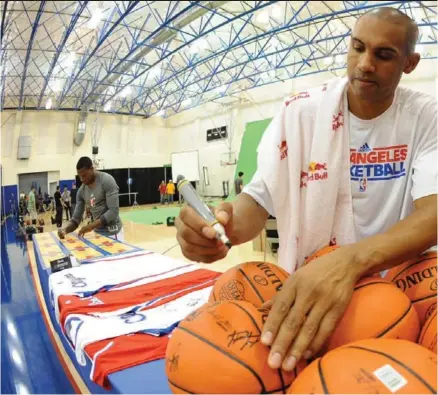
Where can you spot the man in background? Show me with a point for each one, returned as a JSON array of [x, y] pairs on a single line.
[[66, 199], [238, 183], [58, 207], [31, 203], [73, 194], [162, 189], [100, 192], [170, 191]]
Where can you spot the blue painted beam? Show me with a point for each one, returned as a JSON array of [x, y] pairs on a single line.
[[5, 9], [138, 46], [252, 10], [245, 63], [60, 48], [29, 49], [100, 42]]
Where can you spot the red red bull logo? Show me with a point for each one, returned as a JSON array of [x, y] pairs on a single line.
[[338, 121], [304, 179], [316, 171], [283, 149], [301, 95]]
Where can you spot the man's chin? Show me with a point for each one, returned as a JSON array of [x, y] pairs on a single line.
[[363, 94]]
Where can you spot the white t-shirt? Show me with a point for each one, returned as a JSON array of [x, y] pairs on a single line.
[[393, 162]]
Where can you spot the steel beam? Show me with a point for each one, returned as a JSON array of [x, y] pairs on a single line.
[[5, 9], [100, 42], [29, 49], [60, 48]]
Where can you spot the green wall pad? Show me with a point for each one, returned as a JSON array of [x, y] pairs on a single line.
[[247, 160]]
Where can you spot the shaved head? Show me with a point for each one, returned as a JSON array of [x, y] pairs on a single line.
[[397, 17], [381, 49]]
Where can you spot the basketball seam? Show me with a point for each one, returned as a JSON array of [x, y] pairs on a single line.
[[199, 337], [179, 387], [412, 264], [426, 384], [252, 285], [424, 298], [396, 322], [280, 374], [426, 327], [374, 282], [321, 377]]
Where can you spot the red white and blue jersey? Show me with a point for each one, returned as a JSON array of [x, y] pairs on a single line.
[[114, 273], [127, 295], [157, 317]]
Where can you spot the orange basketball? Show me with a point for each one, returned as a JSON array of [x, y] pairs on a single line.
[[428, 335], [323, 251], [377, 309], [417, 278], [217, 349], [373, 366], [255, 282]]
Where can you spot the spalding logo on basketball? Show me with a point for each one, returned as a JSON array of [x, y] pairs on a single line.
[[413, 279], [417, 278], [255, 282], [232, 290]]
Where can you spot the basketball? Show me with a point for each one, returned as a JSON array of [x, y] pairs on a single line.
[[377, 309], [428, 335], [417, 278], [255, 282], [323, 251], [373, 366], [222, 340]]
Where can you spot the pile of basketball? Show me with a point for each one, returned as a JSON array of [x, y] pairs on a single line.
[[384, 343]]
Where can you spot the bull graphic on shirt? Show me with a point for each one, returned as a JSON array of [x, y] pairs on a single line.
[[283, 149]]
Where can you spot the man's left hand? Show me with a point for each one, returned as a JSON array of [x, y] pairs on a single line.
[[84, 229], [305, 312]]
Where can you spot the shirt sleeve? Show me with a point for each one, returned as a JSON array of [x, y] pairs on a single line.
[[425, 170], [79, 208], [112, 200], [259, 192]]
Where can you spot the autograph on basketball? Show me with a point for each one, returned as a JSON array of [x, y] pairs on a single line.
[[247, 338], [173, 362]]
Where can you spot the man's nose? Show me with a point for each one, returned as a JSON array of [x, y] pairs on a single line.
[[366, 63]]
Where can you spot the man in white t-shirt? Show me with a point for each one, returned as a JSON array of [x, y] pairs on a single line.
[[393, 173]]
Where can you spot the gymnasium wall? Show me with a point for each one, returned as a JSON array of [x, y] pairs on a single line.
[[123, 142]]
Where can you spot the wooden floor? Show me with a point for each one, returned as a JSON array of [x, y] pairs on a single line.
[[162, 239]]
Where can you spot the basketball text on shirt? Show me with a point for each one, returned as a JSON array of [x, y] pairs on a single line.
[[378, 164]]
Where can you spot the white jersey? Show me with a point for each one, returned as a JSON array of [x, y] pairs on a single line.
[[83, 329], [114, 274]]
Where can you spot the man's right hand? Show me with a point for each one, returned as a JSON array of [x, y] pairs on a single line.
[[197, 239], [61, 233]]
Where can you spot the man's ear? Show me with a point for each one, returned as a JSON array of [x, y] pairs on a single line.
[[411, 63]]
